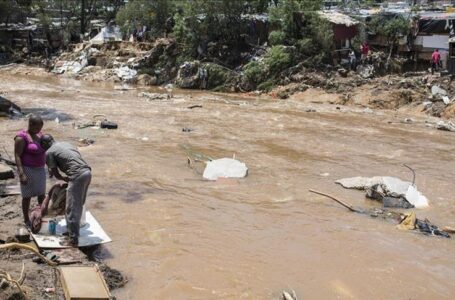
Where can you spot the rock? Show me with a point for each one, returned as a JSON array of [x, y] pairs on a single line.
[[145, 79], [365, 71], [446, 126], [438, 91], [437, 109], [225, 168], [408, 120], [217, 77], [188, 75], [6, 172], [125, 73], [368, 110], [343, 72], [427, 105], [8, 108], [446, 100]]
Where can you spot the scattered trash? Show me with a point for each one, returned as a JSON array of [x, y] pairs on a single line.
[[113, 277], [291, 295], [108, 125], [64, 256], [100, 123], [123, 87], [153, 96], [22, 235], [125, 73], [196, 160], [366, 71], [225, 168], [396, 202], [71, 67], [445, 126], [405, 221], [386, 187], [86, 142], [6, 277], [49, 290], [169, 89], [194, 106], [408, 120]]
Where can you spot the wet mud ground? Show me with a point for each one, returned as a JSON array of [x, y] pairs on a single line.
[[178, 237]]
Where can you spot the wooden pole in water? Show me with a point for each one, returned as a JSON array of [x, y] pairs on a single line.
[[336, 200]]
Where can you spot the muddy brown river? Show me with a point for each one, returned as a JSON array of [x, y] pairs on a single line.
[[177, 236]]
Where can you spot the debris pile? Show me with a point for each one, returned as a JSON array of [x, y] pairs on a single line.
[[393, 192], [406, 221], [120, 61]]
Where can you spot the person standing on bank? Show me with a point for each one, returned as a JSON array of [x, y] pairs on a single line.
[[30, 160], [66, 158]]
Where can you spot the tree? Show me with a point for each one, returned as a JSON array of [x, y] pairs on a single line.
[[212, 29], [300, 25], [6, 8], [392, 28], [150, 13]]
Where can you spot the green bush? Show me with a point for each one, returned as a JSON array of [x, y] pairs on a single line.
[[266, 86], [255, 72], [306, 46], [277, 37], [217, 75], [277, 59]]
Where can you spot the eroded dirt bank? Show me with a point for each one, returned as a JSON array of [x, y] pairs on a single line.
[[179, 237]]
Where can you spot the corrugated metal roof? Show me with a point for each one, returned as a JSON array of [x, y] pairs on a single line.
[[338, 18]]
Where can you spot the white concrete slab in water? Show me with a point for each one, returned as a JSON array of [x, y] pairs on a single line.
[[225, 168], [90, 234]]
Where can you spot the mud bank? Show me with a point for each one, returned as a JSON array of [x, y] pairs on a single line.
[[40, 281]]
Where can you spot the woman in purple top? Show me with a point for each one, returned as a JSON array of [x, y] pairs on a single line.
[[30, 160]]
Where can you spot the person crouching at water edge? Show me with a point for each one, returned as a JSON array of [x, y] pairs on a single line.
[[30, 160], [64, 157]]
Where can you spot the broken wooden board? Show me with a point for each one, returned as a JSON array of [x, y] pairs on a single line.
[[89, 235], [83, 283]]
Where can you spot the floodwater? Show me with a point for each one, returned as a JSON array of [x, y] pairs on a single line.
[[177, 236]]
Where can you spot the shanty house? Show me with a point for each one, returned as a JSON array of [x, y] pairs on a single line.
[[344, 28], [433, 33]]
